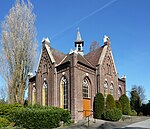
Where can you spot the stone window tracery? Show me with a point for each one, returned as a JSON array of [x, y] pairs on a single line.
[[64, 93], [33, 95], [85, 88], [111, 89], [45, 94], [105, 89]]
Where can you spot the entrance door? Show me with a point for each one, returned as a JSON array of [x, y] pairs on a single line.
[[86, 107]]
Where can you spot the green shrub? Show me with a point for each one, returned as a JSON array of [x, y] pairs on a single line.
[[133, 113], [118, 104], [98, 105], [110, 103], [40, 118], [113, 114], [6, 109], [125, 104], [140, 114], [4, 122]]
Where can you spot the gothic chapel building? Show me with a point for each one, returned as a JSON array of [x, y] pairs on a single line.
[[71, 81]]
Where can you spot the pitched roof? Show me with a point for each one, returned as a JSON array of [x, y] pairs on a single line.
[[58, 56], [81, 59], [93, 56]]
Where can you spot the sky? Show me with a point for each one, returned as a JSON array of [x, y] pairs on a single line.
[[126, 22]]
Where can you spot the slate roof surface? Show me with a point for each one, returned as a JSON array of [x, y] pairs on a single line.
[[93, 56], [91, 59], [58, 56]]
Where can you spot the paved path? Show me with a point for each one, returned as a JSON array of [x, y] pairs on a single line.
[[143, 124]]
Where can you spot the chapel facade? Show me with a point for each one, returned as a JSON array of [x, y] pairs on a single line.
[[71, 81]]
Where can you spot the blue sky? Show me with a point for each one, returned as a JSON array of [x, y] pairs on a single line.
[[126, 22]]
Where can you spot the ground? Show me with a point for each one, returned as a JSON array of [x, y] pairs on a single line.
[[101, 124]]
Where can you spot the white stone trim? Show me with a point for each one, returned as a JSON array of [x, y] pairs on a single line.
[[113, 61], [103, 55], [49, 53], [112, 82]]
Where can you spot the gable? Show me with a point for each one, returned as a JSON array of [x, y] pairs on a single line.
[[46, 59], [106, 60], [54, 55]]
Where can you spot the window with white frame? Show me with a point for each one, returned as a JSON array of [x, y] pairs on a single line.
[[33, 95], [105, 89], [45, 94], [111, 89], [119, 92], [64, 93], [85, 88]]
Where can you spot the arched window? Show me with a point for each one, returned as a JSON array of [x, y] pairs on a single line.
[[105, 89], [119, 92], [64, 93], [45, 94], [111, 89], [33, 96], [85, 88]]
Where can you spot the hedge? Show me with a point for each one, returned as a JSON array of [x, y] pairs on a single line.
[[110, 103], [133, 113], [4, 122], [98, 105], [40, 118], [6, 110], [112, 114], [118, 104]]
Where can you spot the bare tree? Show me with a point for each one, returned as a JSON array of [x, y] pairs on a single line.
[[3, 93], [94, 45], [19, 45], [141, 92]]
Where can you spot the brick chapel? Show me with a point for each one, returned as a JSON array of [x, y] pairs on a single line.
[[71, 81]]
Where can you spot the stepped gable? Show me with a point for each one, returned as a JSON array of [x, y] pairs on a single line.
[[94, 56]]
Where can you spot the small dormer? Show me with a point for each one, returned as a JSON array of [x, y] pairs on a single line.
[[79, 43]]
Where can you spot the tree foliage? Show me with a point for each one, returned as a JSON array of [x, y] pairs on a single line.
[[124, 100], [98, 105], [18, 49], [135, 101], [141, 92], [110, 103], [94, 45]]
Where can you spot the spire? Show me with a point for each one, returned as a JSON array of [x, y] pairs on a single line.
[[78, 35], [79, 43]]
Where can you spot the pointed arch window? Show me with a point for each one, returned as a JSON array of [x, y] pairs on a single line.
[[45, 94], [33, 95], [111, 89], [105, 89], [119, 92], [85, 88], [64, 93]]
